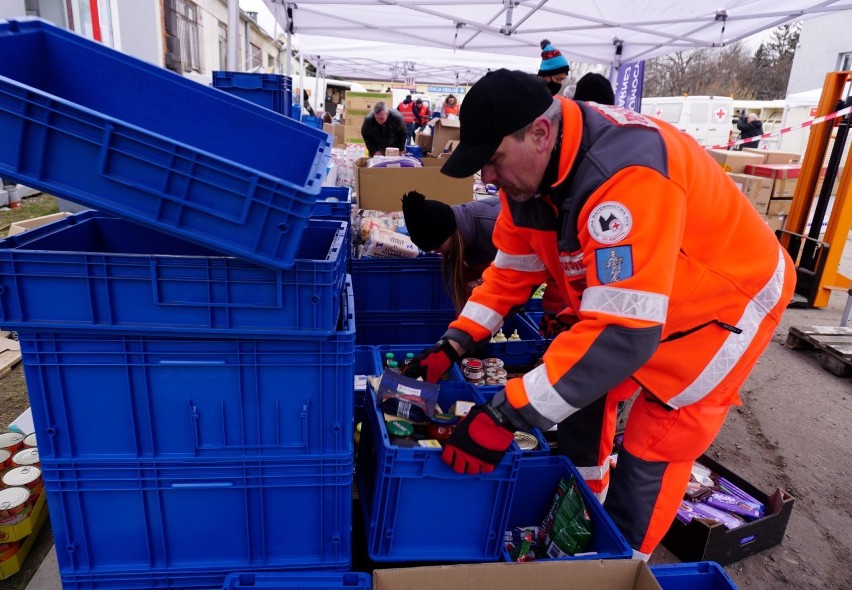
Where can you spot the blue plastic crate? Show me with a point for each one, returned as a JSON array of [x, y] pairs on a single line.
[[310, 121], [296, 111], [702, 575], [367, 362], [289, 581], [108, 397], [517, 353], [267, 90], [94, 272], [412, 500], [400, 285], [334, 202], [490, 391], [85, 122], [401, 328], [538, 478], [161, 517]]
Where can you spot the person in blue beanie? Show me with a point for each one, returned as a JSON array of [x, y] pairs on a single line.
[[554, 67]]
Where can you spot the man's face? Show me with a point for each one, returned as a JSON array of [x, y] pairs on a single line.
[[518, 167], [381, 117]]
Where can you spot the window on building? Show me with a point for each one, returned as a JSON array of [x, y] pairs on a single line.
[[183, 37], [845, 62], [270, 63], [256, 56], [223, 46]]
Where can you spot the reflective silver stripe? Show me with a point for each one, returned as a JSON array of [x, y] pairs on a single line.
[[484, 316], [544, 398], [601, 496], [735, 345], [522, 262], [595, 472], [626, 303], [641, 556]]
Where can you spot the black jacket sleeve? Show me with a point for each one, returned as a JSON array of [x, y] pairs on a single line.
[[367, 132]]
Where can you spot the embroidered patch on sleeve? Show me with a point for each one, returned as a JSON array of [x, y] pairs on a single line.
[[610, 222], [614, 264]]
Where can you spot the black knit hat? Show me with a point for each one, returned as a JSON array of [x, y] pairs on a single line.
[[596, 88], [429, 223]]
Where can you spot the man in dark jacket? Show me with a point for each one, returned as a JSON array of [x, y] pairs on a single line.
[[383, 128], [750, 126]]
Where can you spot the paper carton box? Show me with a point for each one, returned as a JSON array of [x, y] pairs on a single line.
[[336, 131], [444, 130], [704, 540], [366, 100], [784, 188], [779, 207], [775, 156], [544, 575], [774, 171], [22, 226], [775, 222], [382, 188], [732, 161], [756, 189], [425, 142]]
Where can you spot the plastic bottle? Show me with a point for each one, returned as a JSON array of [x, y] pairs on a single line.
[[409, 356], [515, 336], [388, 358], [393, 366], [500, 336]]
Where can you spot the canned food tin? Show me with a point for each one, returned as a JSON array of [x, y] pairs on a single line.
[[526, 441], [26, 457], [13, 501], [473, 371], [5, 459], [11, 441], [30, 440], [28, 476], [492, 363]]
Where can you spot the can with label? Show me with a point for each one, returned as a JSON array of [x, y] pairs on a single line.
[[5, 459], [526, 441], [30, 440], [11, 441], [28, 456], [28, 476], [13, 501]]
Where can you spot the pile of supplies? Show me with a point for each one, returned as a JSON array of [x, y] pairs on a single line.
[[710, 496]]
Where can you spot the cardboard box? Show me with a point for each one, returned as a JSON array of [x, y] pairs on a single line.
[[775, 156], [336, 131], [757, 190], [22, 226], [704, 540], [732, 161], [779, 207], [366, 100], [543, 575], [784, 188], [774, 171], [382, 188], [443, 130], [424, 141], [775, 222]]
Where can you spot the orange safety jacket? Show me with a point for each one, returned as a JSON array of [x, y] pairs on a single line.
[[665, 262], [407, 110], [451, 109]]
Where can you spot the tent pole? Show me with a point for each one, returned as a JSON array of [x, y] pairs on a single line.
[[316, 84], [233, 33], [288, 69]]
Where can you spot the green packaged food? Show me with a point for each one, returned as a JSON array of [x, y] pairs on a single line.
[[566, 529]]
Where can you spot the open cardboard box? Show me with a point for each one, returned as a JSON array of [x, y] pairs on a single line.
[[706, 540], [543, 575], [443, 131], [381, 189]]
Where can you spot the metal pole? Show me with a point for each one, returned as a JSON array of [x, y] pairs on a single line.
[[316, 85], [233, 33], [289, 52]]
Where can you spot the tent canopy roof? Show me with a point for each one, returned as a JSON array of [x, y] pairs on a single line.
[[444, 35]]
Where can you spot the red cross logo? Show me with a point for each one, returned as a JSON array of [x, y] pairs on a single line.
[[658, 113], [615, 225], [720, 114]]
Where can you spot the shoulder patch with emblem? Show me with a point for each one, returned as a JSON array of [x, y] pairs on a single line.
[[623, 117], [614, 264], [610, 222]]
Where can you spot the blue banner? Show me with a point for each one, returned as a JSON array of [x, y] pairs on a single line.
[[628, 86], [445, 89]]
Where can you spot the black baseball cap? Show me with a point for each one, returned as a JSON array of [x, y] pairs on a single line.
[[500, 103]]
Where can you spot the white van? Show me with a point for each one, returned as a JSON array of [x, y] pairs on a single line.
[[770, 113], [706, 118]]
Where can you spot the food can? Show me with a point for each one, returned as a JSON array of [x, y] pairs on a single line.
[[25, 457], [28, 476], [30, 440], [5, 459], [11, 441], [492, 363], [473, 370], [13, 501], [526, 441]]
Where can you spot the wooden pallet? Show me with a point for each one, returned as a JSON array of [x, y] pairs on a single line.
[[10, 355], [835, 343]]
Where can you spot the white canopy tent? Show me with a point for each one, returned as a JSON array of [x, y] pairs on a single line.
[[449, 33]]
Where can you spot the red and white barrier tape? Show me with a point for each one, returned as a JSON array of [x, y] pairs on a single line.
[[827, 117]]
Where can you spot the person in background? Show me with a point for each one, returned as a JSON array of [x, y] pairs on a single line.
[[421, 115], [644, 235], [460, 233], [406, 108], [594, 87], [554, 67], [750, 126], [383, 128], [450, 107], [306, 104]]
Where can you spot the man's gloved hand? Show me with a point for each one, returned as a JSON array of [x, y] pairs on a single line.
[[433, 362], [479, 441], [550, 326]]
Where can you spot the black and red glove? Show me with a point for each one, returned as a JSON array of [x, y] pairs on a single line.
[[479, 441], [433, 362], [551, 325]]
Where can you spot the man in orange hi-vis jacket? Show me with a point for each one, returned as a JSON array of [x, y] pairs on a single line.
[[676, 284]]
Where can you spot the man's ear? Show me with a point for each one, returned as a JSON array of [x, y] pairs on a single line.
[[540, 132]]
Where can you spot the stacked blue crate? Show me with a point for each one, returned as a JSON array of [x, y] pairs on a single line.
[[189, 362], [271, 91]]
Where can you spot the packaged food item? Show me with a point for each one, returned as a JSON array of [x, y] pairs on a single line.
[[567, 529], [526, 441], [405, 397], [461, 408], [30, 440], [429, 443], [5, 459], [28, 476], [27, 456], [734, 505], [399, 428], [11, 441], [13, 501], [525, 550], [441, 426], [385, 244], [393, 162], [689, 510]]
